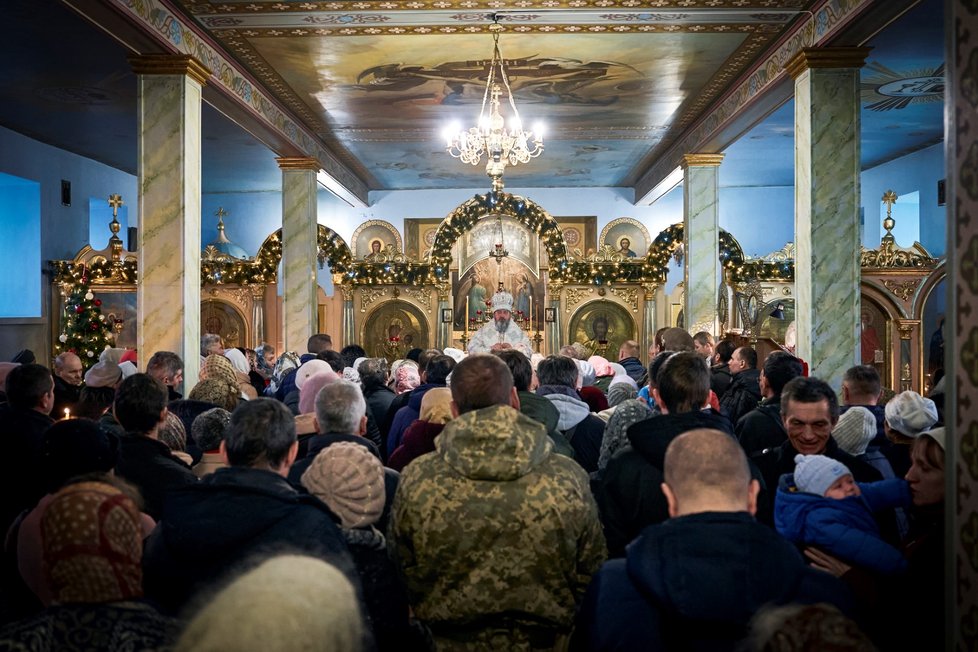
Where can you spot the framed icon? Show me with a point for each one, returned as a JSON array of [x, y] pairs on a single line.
[[446, 316], [550, 315]]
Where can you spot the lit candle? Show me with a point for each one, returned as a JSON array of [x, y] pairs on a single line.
[[67, 413], [531, 314]]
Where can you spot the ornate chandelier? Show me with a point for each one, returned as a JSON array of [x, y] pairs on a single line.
[[502, 146]]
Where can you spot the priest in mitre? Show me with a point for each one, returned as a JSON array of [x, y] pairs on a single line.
[[502, 332]]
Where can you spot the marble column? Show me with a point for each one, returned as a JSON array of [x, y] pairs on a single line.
[[701, 240], [961, 329], [650, 326], [300, 246], [348, 326], [444, 329], [827, 170], [553, 327], [168, 123]]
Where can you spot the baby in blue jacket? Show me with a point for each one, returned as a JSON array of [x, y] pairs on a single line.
[[821, 505]]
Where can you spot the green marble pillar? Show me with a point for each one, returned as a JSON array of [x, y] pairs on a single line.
[[701, 240], [168, 293], [827, 170], [300, 238]]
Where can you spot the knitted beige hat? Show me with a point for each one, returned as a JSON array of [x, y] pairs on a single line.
[[350, 480], [855, 429]]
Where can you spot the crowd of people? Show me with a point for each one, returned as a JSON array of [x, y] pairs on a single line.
[[700, 499]]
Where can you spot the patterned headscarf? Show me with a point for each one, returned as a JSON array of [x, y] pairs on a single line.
[[286, 364], [406, 378], [217, 366], [218, 392], [92, 545], [615, 433]]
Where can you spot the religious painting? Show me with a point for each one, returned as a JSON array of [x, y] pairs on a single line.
[[628, 236], [119, 308], [774, 318], [580, 235], [393, 329], [601, 326], [477, 285], [498, 233], [221, 318], [374, 236], [419, 235], [932, 328]]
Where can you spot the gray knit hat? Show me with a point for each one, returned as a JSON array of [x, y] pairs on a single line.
[[855, 429], [350, 480], [814, 474]]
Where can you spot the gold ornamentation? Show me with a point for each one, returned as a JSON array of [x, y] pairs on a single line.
[[810, 58], [701, 160], [422, 294], [576, 295], [170, 64], [650, 290], [368, 296], [347, 292], [634, 224], [257, 292], [782, 255], [389, 254], [395, 237], [628, 295], [906, 329], [606, 254], [891, 256], [902, 289], [444, 291]]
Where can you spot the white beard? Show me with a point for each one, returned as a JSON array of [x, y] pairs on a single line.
[[502, 325]]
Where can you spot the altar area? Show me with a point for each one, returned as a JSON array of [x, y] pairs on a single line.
[[431, 285]]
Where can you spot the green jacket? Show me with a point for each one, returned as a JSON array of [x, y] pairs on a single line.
[[543, 411], [496, 536]]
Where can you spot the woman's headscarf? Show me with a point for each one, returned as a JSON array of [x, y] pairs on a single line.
[[286, 364], [92, 538], [217, 366], [406, 378], [436, 406], [238, 360]]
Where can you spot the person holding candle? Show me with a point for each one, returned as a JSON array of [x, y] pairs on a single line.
[[502, 332]]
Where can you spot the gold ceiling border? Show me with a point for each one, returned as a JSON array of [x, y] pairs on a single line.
[[209, 8], [423, 30]]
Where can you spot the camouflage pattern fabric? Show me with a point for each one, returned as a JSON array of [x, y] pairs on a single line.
[[496, 535]]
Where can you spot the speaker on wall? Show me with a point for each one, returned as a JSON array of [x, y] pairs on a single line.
[[132, 237]]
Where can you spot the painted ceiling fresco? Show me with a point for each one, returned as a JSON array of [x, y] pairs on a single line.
[[614, 82]]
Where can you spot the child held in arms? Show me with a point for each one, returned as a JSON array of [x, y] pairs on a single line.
[[821, 505]]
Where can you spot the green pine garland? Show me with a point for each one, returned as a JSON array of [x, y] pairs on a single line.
[[86, 331]]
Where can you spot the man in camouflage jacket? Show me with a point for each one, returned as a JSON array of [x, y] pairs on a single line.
[[496, 535]]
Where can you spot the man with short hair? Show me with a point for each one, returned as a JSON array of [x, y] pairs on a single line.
[[720, 376], [628, 493], [495, 535], [810, 410], [435, 374], [167, 367], [697, 580], [318, 342], [763, 426], [502, 332], [533, 405], [744, 392], [23, 421], [240, 514], [145, 461], [373, 379], [676, 339], [862, 386], [558, 376], [703, 344], [67, 382], [628, 358]]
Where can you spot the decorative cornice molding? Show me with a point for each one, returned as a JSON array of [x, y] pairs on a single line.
[[170, 64], [298, 163], [701, 160], [810, 58]]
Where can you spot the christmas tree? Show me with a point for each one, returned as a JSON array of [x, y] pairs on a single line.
[[86, 332]]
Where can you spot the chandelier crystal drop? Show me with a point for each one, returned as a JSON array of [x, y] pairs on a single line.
[[502, 146]]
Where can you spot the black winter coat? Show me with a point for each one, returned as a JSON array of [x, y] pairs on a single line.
[[148, 464], [742, 396], [762, 427], [629, 493], [694, 583], [234, 516]]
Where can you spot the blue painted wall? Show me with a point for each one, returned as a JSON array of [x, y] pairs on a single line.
[[20, 231], [919, 171]]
